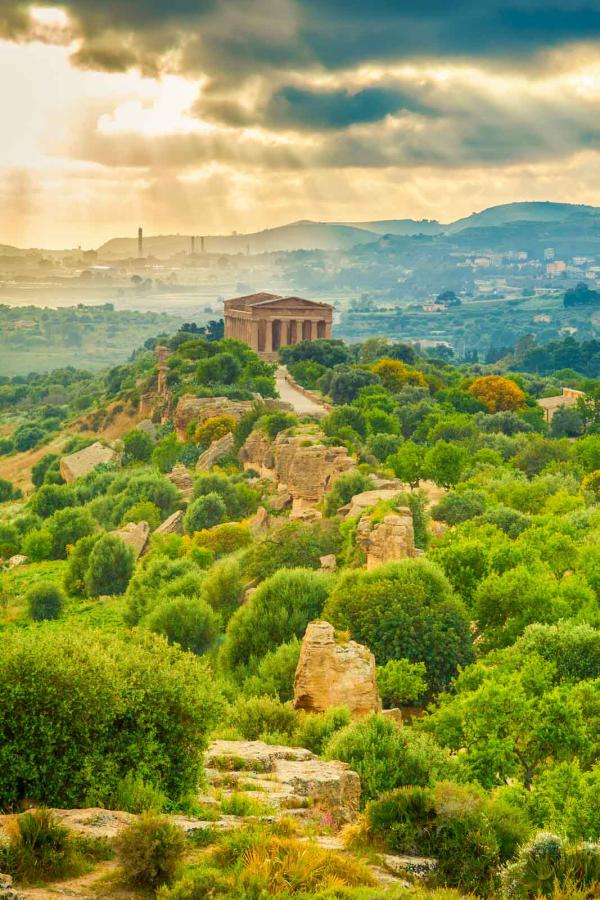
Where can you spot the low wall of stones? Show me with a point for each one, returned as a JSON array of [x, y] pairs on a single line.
[[310, 395]]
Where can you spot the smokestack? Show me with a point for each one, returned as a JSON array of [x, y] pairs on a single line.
[[201, 245], [192, 245], [140, 242]]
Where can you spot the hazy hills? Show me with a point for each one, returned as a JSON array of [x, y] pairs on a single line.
[[307, 235]]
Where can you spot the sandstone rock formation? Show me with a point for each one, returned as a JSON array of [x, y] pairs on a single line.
[[135, 535], [300, 462], [365, 500], [221, 447], [328, 562], [148, 427], [83, 461], [183, 481], [172, 525], [335, 674], [17, 560], [289, 776], [389, 541], [201, 408], [259, 523]]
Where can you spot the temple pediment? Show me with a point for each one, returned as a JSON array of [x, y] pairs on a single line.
[[289, 303]]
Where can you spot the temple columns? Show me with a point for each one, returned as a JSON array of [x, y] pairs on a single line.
[[269, 336]]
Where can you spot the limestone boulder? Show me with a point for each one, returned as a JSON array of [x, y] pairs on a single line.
[[219, 448], [148, 427], [191, 408], [389, 541], [172, 525], [328, 562], [135, 535], [307, 467], [78, 464], [256, 454], [17, 560], [366, 500], [183, 481], [335, 674], [260, 523], [288, 777]]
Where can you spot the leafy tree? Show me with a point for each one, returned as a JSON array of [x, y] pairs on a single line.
[[10, 540], [344, 383], [187, 621], [567, 422], [405, 610], [343, 417], [459, 506], [222, 587], [383, 445], [279, 610], [45, 600], [497, 393], [204, 512], [274, 423], [110, 567], [138, 446], [537, 452], [323, 351], [41, 469], [307, 373], [445, 463], [26, 437], [395, 374], [465, 563], [408, 463], [275, 673], [239, 498], [223, 368]]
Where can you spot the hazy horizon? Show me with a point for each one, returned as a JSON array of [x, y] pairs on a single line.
[[209, 117]]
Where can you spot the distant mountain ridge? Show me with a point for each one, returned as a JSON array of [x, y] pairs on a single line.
[[308, 235]]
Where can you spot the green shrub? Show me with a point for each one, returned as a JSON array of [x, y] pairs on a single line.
[[203, 882], [45, 600], [457, 824], [401, 682], [279, 610], [143, 511], [51, 497], [78, 562], [205, 512], [37, 545], [80, 709], [160, 578], [274, 423], [137, 446], [66, 527], [150, 851], [110, 567], [222, 587], [294, 545], [8, 491], [187, 621], [134, 795], [459, 506], [39, 847], [275, 672], [315, 730], [405, 610], [385, 756], [255, 717], [344, 489], [224, 539]]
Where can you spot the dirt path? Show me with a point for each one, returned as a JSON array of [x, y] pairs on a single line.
[[303, 405]]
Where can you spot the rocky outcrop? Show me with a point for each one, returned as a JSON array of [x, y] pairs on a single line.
[[299, 462], [148, 427], [288, 777], [135, 535], [219, 448], [328, 562], [83, 461], [183, 481], [17, 560], [7, 891], [172, 525], [259, 523], [389, 541], [335, 674], [366, 500], [190, 408]]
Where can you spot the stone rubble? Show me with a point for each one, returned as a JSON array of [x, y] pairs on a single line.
[[389, 541], [183, 481], [172, 525], [78, 464], [223, 446]]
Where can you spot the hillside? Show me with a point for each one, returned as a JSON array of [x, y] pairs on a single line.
[[508, 213]]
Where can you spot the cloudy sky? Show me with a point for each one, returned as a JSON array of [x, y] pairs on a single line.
[[211, 115]]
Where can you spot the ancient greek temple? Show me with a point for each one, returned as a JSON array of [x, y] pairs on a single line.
[[267, 322]]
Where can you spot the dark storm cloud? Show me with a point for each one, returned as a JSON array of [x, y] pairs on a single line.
[[229, 38]]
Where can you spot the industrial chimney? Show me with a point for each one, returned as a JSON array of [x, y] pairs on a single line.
[[140, 242]]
